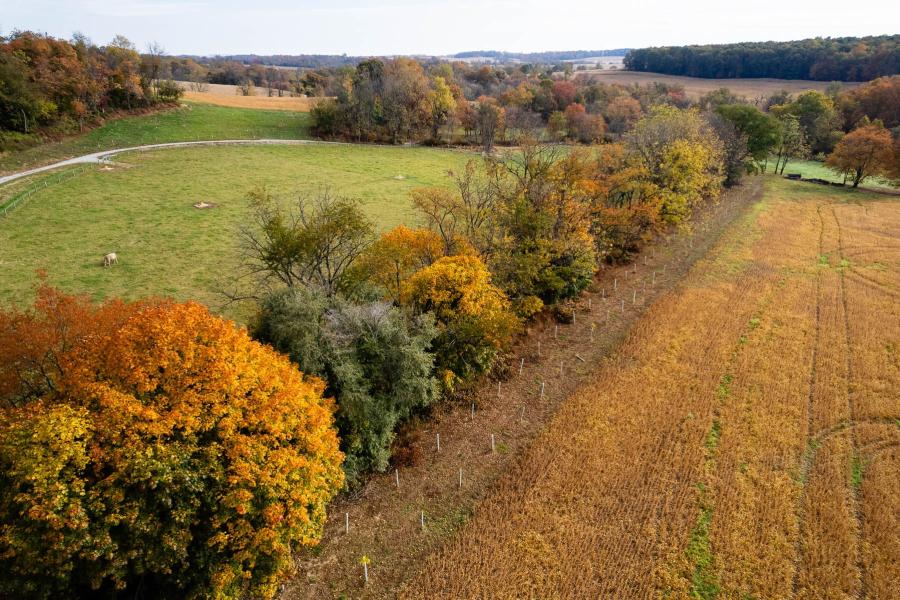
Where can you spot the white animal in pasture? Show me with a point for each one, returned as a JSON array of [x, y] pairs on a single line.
[[110, 258]]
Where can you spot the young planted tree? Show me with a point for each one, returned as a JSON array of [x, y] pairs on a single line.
[[152, 448], [864, 152]]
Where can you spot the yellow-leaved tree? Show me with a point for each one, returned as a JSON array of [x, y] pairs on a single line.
[[474, 317], [154, 446], [398, 255]]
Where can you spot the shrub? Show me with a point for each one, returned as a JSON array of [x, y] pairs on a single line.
[[154, 447], [376, 363], [473, 316]]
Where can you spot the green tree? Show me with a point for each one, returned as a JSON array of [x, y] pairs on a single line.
[[763, 131], [376, 363], [793, 142], [315, 244]]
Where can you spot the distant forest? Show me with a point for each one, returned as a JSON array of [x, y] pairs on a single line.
[[819, 59], [301, 61], [322, 61], [540, 57]]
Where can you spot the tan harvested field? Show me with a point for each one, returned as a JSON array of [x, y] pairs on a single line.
[[744, 442], [696, 87], [226, 95]]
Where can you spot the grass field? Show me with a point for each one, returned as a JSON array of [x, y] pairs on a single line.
[[744, 442], [189, 122], [696, 87], [142, 209], [813, 169]]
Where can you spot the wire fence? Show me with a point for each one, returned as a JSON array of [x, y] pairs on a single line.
[[19, 197]]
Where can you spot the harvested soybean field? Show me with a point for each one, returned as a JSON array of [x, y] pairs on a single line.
[[744, 441], [695, 87]]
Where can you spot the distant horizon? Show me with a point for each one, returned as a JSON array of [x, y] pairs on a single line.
[[434, 27]]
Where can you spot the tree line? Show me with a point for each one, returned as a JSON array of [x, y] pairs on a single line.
[[818, 59], [47, 82]]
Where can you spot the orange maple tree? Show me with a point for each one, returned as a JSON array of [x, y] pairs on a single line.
[[153, 445], [863, 153]]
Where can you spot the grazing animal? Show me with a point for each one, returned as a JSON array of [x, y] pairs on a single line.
[[110, 258]]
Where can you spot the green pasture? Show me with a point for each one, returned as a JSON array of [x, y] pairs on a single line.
[[186, 123], [142, 209]]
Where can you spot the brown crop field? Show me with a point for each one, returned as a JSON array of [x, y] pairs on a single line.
[[743, 442], [696, 86], [226, 95]]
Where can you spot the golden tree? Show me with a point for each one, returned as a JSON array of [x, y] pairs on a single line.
[[153, 444], [474, 318]]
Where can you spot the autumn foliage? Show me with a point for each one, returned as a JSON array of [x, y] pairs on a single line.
[[474, 318], [862, 153], [152, 446]]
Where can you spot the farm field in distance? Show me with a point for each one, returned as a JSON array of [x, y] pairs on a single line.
[[696, 86], [142, 209], [744, 442], [226, 95]]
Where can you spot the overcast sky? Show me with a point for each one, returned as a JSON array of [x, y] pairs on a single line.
[[365, 27]]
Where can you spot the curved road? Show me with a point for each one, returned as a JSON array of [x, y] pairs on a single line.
[[104, 156]]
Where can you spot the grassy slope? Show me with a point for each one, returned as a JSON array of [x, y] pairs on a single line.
[[190, 122], [813, 169], [143, 211]]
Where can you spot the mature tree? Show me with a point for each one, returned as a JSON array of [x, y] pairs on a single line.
[[489, 122], [441, 104], [680, 157], [556, 126], [622, 113], [473, 316], [793, 142], [817, 116], [20, 107], [863, 153], [719, 97], [761, 131], [405, 100], [735, 151], [398, 255], [375, 360], [315, 244], [877, 100], [154, 448], [582, 126], [563, 93]]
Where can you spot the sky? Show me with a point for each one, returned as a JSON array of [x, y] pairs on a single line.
[[365, 27]]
